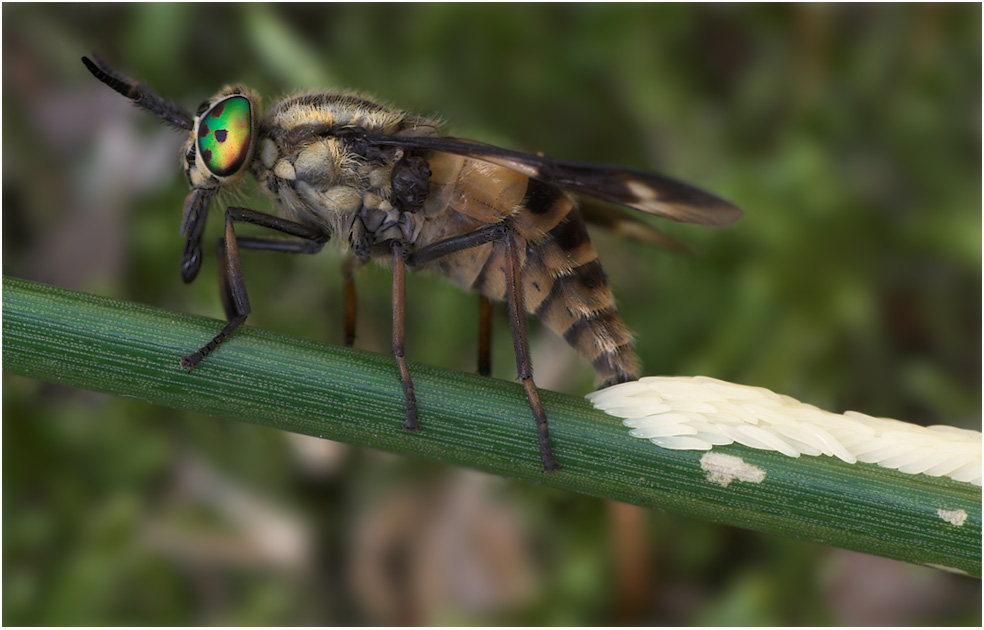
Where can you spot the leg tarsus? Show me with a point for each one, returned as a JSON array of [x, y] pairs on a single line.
[[543, 433], [410, 422], [189, 361]]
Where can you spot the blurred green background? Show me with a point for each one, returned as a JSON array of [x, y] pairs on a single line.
[[850, 135]]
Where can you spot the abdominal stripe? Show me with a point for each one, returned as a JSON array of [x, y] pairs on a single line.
[[580, 285], [540, 197], [606, 318], [570, 233]]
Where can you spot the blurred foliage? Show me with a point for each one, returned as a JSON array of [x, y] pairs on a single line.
[[851, 136]]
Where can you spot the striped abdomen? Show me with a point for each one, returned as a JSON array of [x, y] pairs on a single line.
[[566, 288], [563, 281]]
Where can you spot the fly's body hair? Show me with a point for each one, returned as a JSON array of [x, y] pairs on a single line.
[[388, 185]]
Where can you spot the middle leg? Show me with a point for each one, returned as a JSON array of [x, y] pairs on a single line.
[[399, 311], [351, 304], [503, 234], [484, 336]]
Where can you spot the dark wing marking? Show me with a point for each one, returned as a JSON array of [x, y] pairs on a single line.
[[651, 193]]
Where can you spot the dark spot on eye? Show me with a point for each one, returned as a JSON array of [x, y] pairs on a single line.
[[203, 129], [217, 110], [207, 155], [220, 135]]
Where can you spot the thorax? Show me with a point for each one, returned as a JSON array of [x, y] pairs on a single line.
[[319, 178]]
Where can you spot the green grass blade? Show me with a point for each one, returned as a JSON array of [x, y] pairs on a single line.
[[353, 396]]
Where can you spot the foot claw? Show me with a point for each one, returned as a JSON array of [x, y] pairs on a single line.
[[189, 361]]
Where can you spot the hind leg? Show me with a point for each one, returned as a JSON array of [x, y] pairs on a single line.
[[504, 236]]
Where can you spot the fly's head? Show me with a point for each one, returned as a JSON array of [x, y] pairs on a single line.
[[219, 149], [222, 139], [216, 155]]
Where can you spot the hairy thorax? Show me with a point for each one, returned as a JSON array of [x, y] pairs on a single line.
[[323, 180]]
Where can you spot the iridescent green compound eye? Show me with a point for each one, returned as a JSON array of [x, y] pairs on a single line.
[[223, 135]]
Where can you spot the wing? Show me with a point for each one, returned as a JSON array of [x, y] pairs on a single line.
[[624, 224], [648, 192]]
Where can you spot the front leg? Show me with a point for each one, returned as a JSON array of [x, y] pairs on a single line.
[[231, 279], [237, 301], [192, 227]]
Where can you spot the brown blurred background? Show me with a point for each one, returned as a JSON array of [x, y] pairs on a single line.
[[851, 136]]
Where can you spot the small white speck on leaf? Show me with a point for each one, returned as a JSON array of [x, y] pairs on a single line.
[[954, 517], [723, 469]]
